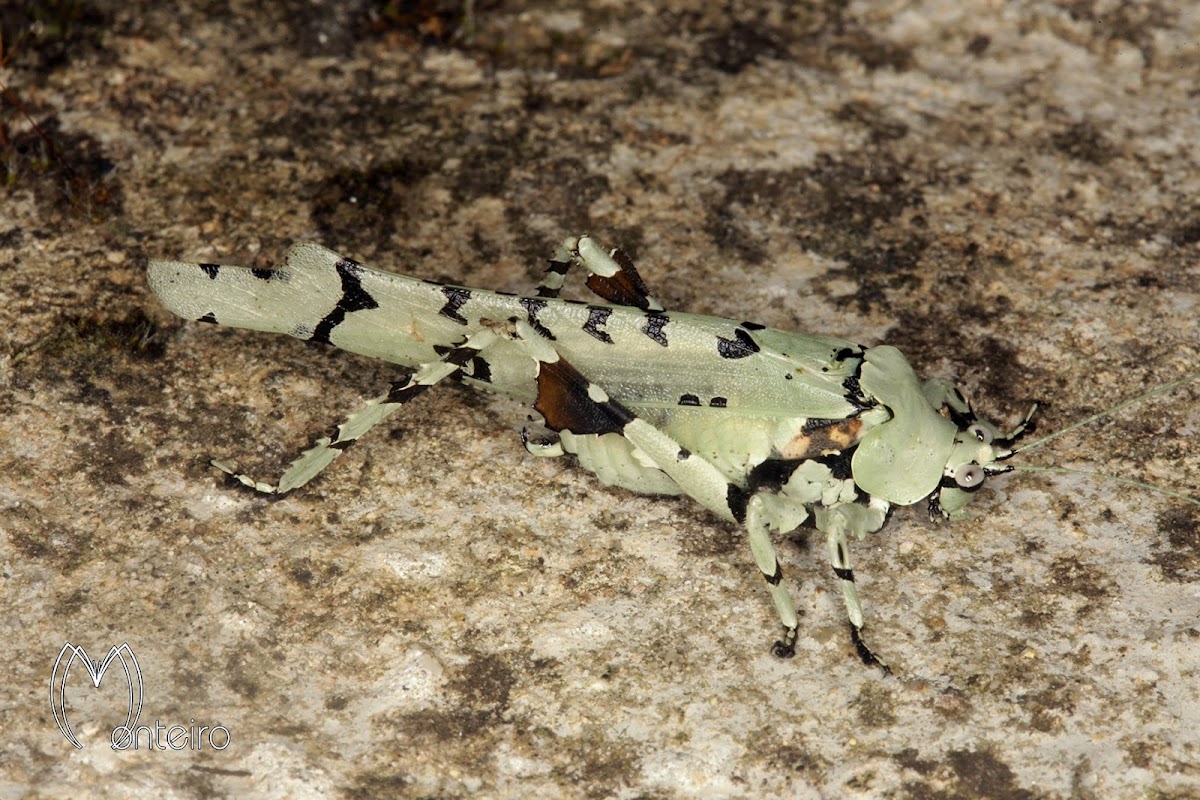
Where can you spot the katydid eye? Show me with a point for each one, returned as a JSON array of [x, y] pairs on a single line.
[[968, 476], [981, 433]]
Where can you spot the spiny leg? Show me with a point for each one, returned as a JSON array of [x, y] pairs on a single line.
[[326, 450], [568, 401], [611, 274]]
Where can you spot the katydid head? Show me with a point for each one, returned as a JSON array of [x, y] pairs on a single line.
[[931, 446], [978, 447]]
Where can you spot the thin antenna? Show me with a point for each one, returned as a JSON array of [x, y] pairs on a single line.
[[1127, 481], [1119, 406]]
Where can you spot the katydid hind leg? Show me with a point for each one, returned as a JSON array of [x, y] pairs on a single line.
[[328, 448], [611, 274]]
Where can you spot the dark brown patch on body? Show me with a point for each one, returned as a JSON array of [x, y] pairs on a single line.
[[625, 288], [564, 403]]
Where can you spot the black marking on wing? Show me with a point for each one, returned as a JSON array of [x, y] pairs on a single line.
[[740, 347], [456, 298], [563, 402], [684, 454], [596, 317], [209, 318], [262, 274], [718, 402], [211, 270], [753, 326], [689, 400], [532, 307], [844, 574], [655, 323], [354, 298], [843, 355]]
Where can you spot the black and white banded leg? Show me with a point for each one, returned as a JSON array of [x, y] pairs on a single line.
[[569, 402], [835, 522], [327, 449], [611, 274]]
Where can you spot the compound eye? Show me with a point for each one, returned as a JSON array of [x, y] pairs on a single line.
[[981, 433], [969, 476]]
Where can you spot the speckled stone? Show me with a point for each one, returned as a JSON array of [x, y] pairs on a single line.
[[1004, 190]]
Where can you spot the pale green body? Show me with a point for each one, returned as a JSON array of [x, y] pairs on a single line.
[[714, 402]]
